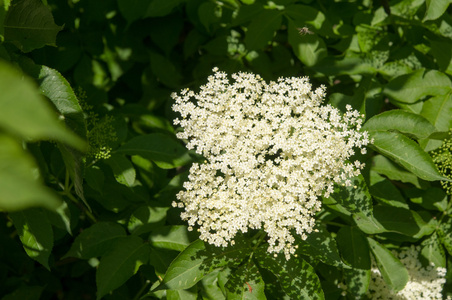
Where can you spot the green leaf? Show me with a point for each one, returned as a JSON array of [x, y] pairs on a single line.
[[214, 284], [435, 9], [383, 190], [349, 65], [406, 153], [320, 245], [165, 71], [308, 16], [73, 160], [357, 282], [96, 240], [398, 220], [441, 51], [384, 166], [160, 8], [19, 186], [392, 270], [25, 113], [165, 151], [209, 15], [354, 247], [29, 25], [433, 251], [438, 110], [262, 28], [199, 259], [368, 224], [35, 233], [445, 234], [147, 218], [132, 10], [297, 278], [61, 218], [167, 37], [432, 198], [358, 191], [121, 263], [402, 121], [175, 237], [190, 294], [123, 169], [309, 48], [245, 283], [55, 87], [95, 178], [25, 293], [160, 259], [4, 6], [409, 88]]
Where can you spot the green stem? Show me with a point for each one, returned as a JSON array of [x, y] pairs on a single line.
[[261, 236], [66, 191], [145, 285], [333, 224]]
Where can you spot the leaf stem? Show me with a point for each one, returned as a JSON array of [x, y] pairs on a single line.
[[138, 294]]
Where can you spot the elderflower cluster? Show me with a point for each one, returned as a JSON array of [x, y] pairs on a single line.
[[272, 149], [426, 283]]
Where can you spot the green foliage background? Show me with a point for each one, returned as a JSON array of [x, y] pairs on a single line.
[[89, 163]]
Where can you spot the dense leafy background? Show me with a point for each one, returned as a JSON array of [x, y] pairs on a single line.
[[89, 163]]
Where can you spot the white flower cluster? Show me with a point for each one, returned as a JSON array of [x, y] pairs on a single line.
[[426, 283], [271, 150]]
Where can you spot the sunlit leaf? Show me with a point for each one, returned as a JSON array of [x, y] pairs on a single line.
[[190, 294], [392, 270], [25, 113], [438, 110], [409, 88], [245, 283], [20, 188], [393, 219], [359, 192], [433, 251], [383, 190], [432, 198], [405, 122], [320, 245], [199, 259], [297, 277], [385, 166], [175, 237], [435, 8], [309, 48], [35, 233], [357, 281], [406, 153], [122, 169]]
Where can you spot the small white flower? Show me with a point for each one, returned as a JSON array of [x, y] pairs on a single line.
[[272, 150]]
